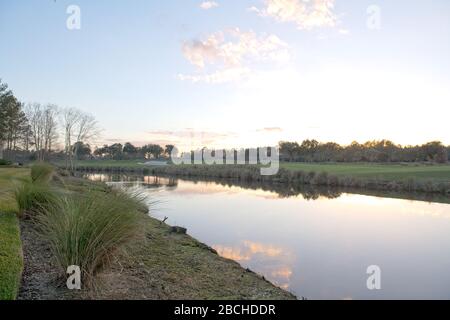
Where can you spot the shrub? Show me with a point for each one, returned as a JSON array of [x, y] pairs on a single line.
[[88, 230], [42, 172], [5, 162]]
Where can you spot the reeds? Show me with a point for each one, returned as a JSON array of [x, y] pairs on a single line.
[[252, 174], [32, 196], [87, 230]]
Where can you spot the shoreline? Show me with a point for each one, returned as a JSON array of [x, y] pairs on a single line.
[[164, 264], [308, 192], [248, 173], [423, 189]]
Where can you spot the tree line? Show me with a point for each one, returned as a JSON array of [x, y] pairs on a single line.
[[128, 151], [371, 151], [47, 132], [44, 131], [38, 131]]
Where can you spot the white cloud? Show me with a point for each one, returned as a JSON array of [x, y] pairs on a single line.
[[306, 14], [206, 5], [231, 54]]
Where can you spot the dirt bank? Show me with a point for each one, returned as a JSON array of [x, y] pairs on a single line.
[[163, 265]]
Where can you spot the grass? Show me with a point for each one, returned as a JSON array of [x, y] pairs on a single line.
[[437, 173], [84, 228], [42, 172], [9, 178], [11, 263], [34, 196], [91, 222], [87, 230], [168, 265]]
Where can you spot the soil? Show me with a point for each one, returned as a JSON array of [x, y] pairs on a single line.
[[163, 265], [41, 278]]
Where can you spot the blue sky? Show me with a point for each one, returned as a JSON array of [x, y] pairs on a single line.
[[237, 74]]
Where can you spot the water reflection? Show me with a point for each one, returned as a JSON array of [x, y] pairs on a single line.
[[274, 262], [276, 190], [317, 249]]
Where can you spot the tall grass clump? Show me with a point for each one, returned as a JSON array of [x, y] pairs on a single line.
[[33, 197], [88, 230], [42, 172]]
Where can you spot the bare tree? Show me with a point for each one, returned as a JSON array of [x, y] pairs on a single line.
[[34, 112], [78, 127], [69, 118], [86, 130], [50, 115], [43, 127]]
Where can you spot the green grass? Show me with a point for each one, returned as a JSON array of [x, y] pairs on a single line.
[[9, 178], [42, 172], [35, 193], [34, 196], [436, 173], [11, 263]]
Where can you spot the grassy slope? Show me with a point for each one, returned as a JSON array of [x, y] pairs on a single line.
[[166, 265], [380, 171], [174, 266], [11, 263], [161, 265]]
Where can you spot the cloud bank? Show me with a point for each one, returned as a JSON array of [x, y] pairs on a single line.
[[229, 55]]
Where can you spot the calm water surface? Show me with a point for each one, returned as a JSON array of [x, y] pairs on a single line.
[[318, 249]]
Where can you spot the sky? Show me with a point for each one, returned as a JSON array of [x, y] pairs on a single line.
[[236, 73]]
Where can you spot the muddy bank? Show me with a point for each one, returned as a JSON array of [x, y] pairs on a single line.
[[163, 265]]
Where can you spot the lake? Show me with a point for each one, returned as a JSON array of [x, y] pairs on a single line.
[[316, 244]]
